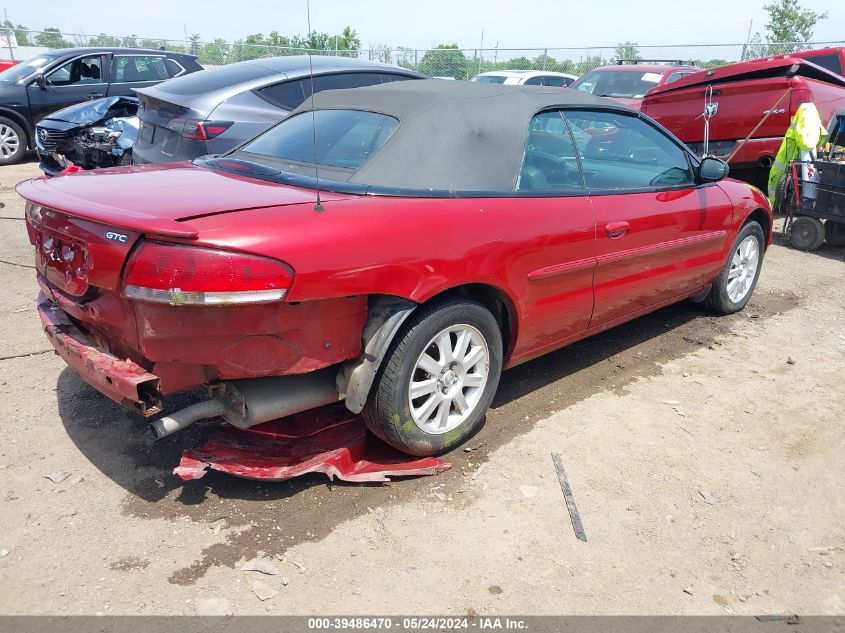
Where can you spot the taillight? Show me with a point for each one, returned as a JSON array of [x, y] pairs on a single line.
[[198, 130], [798, 96], [192, 275]]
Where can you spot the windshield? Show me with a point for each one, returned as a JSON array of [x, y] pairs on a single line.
[[617, 83], [346, 139], [25, 69], [490, 79]]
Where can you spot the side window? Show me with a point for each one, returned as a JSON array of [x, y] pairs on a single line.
[[549, 162], [85, 70], [535, 81], [676, 76], [829, 62], [129, 68], [388, 77], [558, 82], [174, 69], [620, 151], [343, 80], [286, 94]]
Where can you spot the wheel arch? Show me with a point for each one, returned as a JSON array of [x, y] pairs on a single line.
[[20, 120], [387, 313], [764, 220]]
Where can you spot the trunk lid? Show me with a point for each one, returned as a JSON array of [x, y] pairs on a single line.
[[156, 142], [83, 226]]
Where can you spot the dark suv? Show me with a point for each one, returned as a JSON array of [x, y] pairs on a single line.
[[31, 90]]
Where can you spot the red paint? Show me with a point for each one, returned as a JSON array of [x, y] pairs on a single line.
[[551, 260], [121, 380], [743, 97], [6, 64], [330, 440]]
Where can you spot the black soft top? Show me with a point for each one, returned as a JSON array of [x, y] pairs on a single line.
[[453, 136]]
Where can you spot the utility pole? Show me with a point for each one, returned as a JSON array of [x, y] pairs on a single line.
[[747, 40], [480, 52], [9, 33]]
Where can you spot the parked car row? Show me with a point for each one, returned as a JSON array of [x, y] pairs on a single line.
[[33, 89]]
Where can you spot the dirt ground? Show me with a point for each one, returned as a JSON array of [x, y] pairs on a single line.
[[706, 456]]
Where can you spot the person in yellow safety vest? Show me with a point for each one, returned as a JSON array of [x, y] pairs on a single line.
[[804, 135]]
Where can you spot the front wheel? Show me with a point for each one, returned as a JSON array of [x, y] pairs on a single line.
[[735, 284], [438, 378], [12, 142]]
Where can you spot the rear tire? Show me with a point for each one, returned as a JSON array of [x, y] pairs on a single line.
[[806, 234], [449, 354], [734, 286], [12, 142], [834, 233]]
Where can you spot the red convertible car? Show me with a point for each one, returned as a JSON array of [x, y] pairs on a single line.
[[395, 246]]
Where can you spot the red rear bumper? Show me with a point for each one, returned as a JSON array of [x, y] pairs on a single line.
[[121, 380]]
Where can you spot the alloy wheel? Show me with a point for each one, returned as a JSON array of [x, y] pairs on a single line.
[[448, 379], [743, 271], [9, 141]]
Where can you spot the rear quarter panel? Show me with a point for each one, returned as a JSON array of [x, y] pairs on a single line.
[[416, 248]]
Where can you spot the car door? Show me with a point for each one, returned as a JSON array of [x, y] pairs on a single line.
[[659, 234], [72, 82], [559, 261], [130, 71]]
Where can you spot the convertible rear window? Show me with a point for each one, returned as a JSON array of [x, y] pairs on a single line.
[[345, 139]]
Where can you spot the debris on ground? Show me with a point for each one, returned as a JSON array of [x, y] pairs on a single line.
[[263, 591], [4, 553], [709, 497], [58, 477], [214, 607], [790, 361], [688, 590], [330, 440], [569, 498], [261, 564], [529, 492]]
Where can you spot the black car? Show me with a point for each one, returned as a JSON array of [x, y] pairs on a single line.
[[213, 111], [31, 90]]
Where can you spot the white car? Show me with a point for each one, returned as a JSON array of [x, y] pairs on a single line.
[[526, 78]]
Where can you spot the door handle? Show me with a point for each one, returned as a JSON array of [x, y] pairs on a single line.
[[615, 230], [93, 95]]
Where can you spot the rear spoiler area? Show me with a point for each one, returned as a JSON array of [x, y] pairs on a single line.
[[756, 69], [35, 191]]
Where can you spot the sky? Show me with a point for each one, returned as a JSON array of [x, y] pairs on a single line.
[[514, 24]]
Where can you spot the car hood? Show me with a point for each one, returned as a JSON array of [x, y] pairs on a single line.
[[91, 111], [159, 198]]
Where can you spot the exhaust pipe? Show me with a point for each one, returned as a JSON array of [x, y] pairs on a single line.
[[246, 403], [186, 417], [766, 162]]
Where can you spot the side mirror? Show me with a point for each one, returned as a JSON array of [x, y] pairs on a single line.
[[41, 82], [712, 169]]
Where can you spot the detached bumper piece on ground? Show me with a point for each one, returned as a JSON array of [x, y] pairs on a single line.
[[330, 440]]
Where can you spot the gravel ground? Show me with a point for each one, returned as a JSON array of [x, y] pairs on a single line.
[[705, 454]]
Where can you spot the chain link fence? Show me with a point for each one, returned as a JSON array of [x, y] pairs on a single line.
[[439, 62]]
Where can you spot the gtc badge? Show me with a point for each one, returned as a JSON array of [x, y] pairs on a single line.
[[43, 134], [117, 237]]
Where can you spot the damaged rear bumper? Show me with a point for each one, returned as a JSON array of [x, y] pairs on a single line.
[[121, 380]]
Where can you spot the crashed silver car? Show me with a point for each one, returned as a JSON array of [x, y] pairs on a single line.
[[88, 135]]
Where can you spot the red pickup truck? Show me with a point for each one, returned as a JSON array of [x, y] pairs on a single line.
[[742, 95]]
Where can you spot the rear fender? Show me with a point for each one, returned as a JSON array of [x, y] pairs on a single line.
[[385, 315]]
